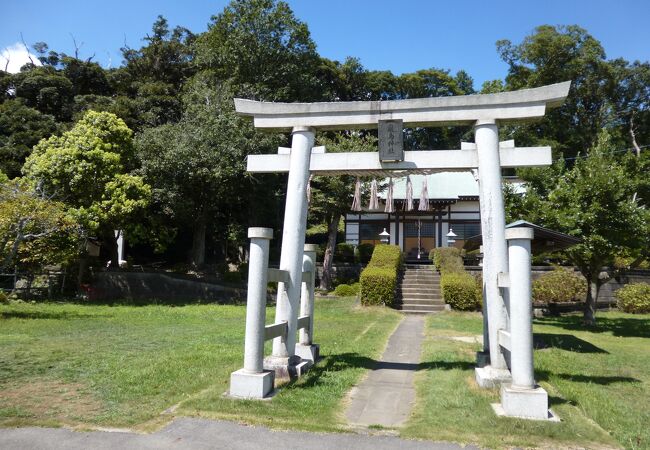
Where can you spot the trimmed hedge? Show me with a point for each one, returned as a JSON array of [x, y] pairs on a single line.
[[378, 286], [460, 289], [447, 259], [559, 286], [634, 298], [378, 280], [386, 256], [347, 290]]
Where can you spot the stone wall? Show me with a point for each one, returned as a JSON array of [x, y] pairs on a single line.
[[616, 282], [349, 271], [158, 286], [171, 287]]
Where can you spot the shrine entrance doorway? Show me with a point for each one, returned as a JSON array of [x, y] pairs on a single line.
[[419, 238]]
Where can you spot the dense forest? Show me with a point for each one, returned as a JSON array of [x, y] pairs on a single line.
[[154, 148]]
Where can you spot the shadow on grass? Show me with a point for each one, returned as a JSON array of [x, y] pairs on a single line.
[[542, 375], [567, 342], [554, 401], [56, 315], [344, 361], [618, 326], [162, 302], [145, 302]]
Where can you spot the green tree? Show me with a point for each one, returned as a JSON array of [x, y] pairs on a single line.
[[45, 89], [197, 166], [87, 78], [433, 83], [89, 168], [344, 81], [152, 78], [166, 57], [595, 201], [492, 87], [34, 230], [263, 49], [632, 101], [555, 54], [21, 127]]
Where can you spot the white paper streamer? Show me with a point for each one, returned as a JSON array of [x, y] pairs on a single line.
[[390, 207], [424, 197], [374, 203], [409, 194], [356, 202]]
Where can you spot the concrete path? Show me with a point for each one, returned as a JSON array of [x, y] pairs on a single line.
[[386, 396], [198, 434]]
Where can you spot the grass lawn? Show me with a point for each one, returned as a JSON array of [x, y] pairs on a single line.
[[138, 366], [120, 366], [598, 382]]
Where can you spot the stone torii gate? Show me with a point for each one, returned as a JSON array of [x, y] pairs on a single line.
[[485, 112]]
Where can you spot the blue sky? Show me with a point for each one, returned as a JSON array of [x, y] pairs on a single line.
[[401, 36]]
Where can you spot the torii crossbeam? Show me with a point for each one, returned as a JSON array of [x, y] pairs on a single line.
[[511, 106], [421, 161]]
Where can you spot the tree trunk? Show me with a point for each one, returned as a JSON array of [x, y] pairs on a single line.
[[13, 253], [198, 243], [633, 136], [593, 286], [327, 281]]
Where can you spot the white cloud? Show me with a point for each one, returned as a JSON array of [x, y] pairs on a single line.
[[18, 56]]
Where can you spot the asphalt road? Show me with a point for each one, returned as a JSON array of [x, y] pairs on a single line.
[[187, 433]]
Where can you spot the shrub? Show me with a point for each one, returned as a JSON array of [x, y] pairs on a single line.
[[232, 277], [222, 268], [379, 279], [243, 270], [347, 290], [460, 291], [378, 286], [344, 278], [559, 286], [634, 298], [622, 262], [447, 259], [386, 256], [344, 252], [4, 299], [365, 252]]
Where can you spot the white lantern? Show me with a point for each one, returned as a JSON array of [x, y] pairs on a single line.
[[450, 237]]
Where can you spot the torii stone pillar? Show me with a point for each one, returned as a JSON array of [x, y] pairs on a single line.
[[284, 360], [523, 397], [253, 381], [306, 348], [495, 252]]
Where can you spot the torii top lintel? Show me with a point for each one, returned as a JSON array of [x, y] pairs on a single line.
[[502, 107]]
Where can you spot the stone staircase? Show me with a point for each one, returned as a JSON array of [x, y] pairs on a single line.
[[419, 290]]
